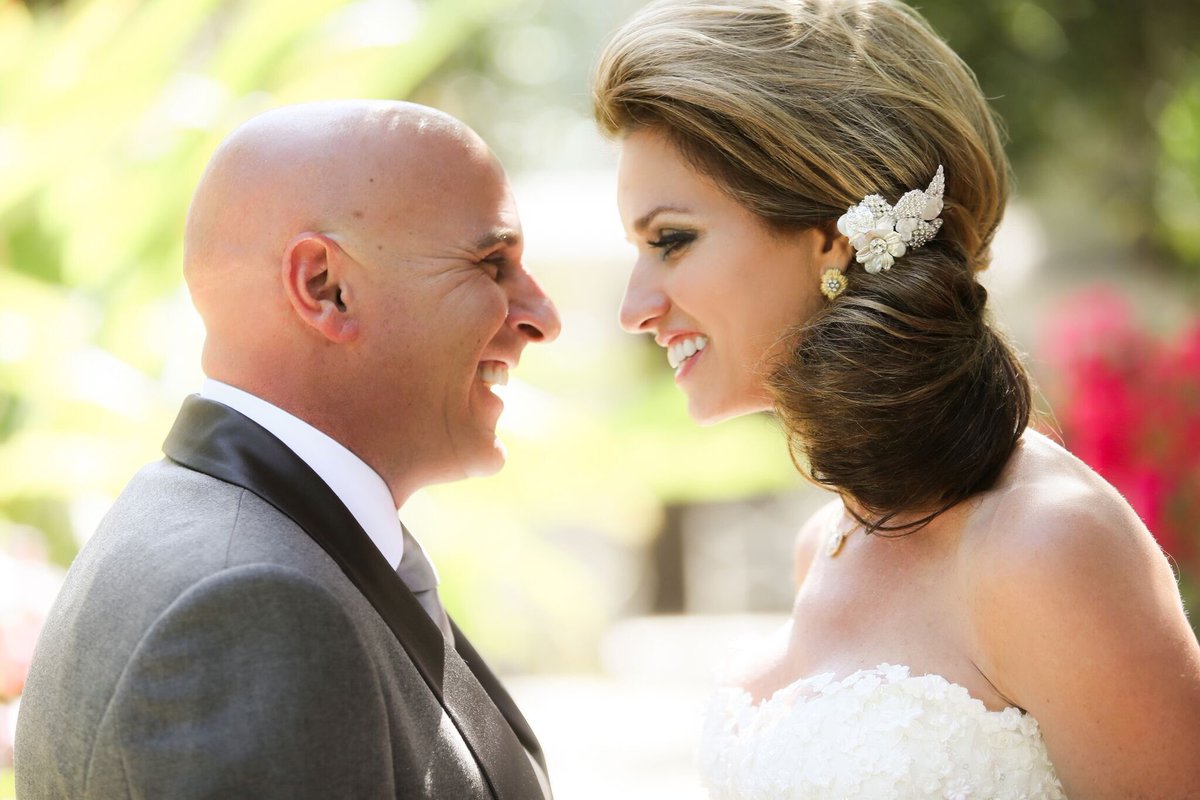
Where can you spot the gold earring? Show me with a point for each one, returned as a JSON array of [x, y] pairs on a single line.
[[833, 283]]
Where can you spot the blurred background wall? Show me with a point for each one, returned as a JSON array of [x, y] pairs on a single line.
[[623, 550]]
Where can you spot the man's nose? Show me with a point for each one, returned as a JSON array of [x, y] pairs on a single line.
[[531, 312], [644, 302]]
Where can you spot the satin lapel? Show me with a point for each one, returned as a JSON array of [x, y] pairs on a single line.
[[213, 439], [499, 694]]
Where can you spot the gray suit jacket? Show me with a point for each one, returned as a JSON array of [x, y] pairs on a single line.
[[230, 631]]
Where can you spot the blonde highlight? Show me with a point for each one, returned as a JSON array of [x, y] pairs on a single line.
[[798, 109]]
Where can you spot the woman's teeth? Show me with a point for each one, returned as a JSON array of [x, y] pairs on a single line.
[[683, 349], [494, 373]]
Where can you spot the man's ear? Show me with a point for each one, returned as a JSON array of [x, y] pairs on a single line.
[[315, 280]]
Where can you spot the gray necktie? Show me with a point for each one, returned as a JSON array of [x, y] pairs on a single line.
[[417, 574]]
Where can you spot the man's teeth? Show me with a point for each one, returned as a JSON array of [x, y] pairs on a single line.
[[684, 349], [494, 373]]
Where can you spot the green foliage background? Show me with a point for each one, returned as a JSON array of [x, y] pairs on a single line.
[[1100, 100]]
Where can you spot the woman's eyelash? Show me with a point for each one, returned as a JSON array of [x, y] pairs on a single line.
[[670, 241]]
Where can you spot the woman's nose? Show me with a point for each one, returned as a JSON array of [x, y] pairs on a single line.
[[644, 302]]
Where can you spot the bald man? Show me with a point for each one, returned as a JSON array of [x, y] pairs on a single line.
[[251, 619]]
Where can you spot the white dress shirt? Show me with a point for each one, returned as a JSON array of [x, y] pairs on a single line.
[[357, 485]]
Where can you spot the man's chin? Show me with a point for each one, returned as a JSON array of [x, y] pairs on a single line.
[[489, 461]]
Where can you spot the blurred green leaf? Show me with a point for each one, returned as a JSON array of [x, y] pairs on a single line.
[[1081, 87], [1178, 188]]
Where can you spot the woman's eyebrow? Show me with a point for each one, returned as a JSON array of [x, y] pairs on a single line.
[[643, 222]]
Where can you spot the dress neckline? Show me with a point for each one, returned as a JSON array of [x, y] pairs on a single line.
[[826, 683]]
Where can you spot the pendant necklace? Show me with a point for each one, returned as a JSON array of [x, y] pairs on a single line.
[[838, 538]]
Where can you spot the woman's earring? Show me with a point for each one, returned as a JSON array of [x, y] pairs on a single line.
[[833, 283]]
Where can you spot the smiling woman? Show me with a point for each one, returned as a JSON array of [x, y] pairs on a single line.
[[813, 186], [773, 160], [712, 283]]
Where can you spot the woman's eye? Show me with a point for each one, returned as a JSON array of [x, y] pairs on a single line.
[[670, 242]]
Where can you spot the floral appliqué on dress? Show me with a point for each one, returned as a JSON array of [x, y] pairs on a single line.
[[879, 733]]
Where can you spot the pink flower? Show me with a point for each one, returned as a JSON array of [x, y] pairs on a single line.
[[1129, 406]]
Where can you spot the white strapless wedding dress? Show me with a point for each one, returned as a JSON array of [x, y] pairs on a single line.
[[877, 734]]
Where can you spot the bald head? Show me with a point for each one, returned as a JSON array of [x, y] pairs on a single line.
[[317, 166], [351, 170]]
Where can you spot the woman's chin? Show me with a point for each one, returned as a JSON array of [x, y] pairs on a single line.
[[705, 412]]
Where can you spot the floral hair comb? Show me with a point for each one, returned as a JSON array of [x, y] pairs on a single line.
[[881, 232]]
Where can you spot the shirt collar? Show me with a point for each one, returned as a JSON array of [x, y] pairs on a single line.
[[358, 486]]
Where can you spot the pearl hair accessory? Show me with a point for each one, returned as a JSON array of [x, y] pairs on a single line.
[[881, 232]]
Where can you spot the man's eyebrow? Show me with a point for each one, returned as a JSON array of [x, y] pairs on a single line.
[[643, 222], [497, 236]]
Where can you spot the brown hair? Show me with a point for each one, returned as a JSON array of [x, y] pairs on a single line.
[[899, 392]]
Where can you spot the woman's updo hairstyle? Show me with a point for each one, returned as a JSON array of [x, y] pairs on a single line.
[[899, 392]]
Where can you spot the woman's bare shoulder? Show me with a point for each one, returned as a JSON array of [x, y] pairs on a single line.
[[1049, 502], [1054, 534], [1079, 620]]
